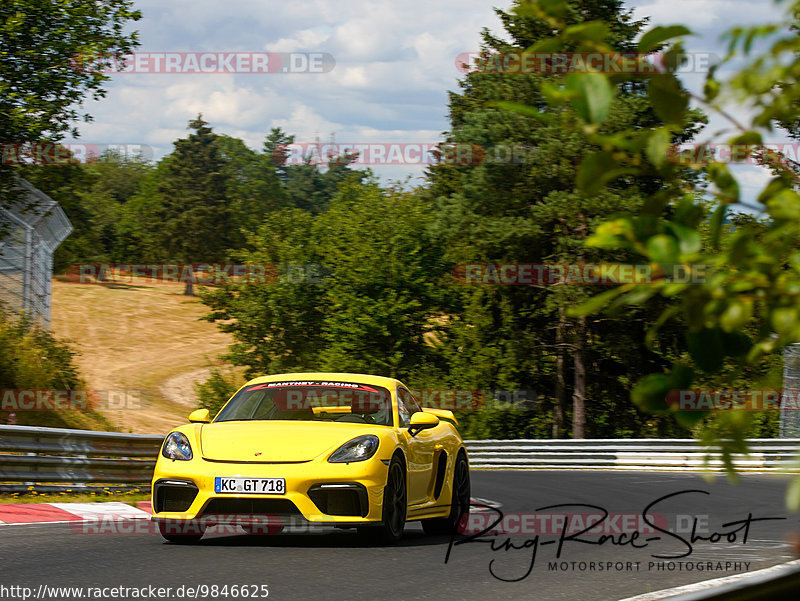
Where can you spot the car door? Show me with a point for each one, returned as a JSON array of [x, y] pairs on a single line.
[[420, 449]]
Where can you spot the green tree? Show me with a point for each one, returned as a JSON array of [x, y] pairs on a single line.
[[93, 196], [42, 77], [352, 292], [515, 201], [380, 264], [276, 148], [188, 210], [308, 186], [276, 323], [741, 304], [117, 178], [138, 239], [254, 186], [66, 183]]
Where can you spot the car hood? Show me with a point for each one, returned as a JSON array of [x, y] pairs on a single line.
[[279, 441]]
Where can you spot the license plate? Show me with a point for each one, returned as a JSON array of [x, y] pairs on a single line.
[[261, 486]]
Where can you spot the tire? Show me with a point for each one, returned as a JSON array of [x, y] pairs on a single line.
[[395, 507], [459, 504], [191, 535]]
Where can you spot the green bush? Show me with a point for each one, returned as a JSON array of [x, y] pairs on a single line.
[[504, 423], [215, 392], [31, 358]]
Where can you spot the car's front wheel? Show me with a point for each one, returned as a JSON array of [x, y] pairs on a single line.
[[459, 505], [394, 506]]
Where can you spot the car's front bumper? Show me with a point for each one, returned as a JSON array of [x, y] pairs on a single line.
[[316, 491]]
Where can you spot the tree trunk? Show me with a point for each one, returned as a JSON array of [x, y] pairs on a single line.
[[579, 376], [579, 383], [189, 290], [561, 386]]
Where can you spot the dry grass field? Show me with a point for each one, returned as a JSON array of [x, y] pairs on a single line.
[[139, 337]]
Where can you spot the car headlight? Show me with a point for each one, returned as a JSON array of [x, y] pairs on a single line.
[[358, 449], [177, 447]]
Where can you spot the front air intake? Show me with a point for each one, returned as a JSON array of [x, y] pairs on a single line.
[[173, 495], [340, 499], [250, 506]]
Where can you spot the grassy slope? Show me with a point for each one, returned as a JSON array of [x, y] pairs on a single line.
[[139, 338]]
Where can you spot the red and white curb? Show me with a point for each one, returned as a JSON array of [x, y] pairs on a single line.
[[60, 513]]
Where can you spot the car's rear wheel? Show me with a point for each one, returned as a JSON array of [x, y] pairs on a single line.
[[180, 533], [459, 506], [395, 506]]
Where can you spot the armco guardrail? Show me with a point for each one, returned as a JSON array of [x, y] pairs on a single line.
[[55, 459], [634, 454]]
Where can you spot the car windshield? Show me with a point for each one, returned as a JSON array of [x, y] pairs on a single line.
[[310, 401]]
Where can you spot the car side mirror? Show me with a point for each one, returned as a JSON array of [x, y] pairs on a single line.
[[201, 416], [422, 421]]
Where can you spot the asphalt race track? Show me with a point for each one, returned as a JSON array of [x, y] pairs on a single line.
[[338, 564]]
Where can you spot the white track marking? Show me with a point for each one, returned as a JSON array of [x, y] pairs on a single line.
[[707, 584], [486, 502], [95, 511]]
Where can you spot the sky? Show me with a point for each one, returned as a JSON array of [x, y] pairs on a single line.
[[394, 65]]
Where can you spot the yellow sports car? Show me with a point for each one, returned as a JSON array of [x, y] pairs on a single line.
[[347, 450]]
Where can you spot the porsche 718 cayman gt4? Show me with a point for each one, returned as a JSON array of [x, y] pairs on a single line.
[[346, 450]]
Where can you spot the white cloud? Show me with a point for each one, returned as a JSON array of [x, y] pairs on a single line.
[[306, 124], [753, 177], [394, 66], [354, 77], [703, 12], [306, 39], [395, 63], [225, 104]]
